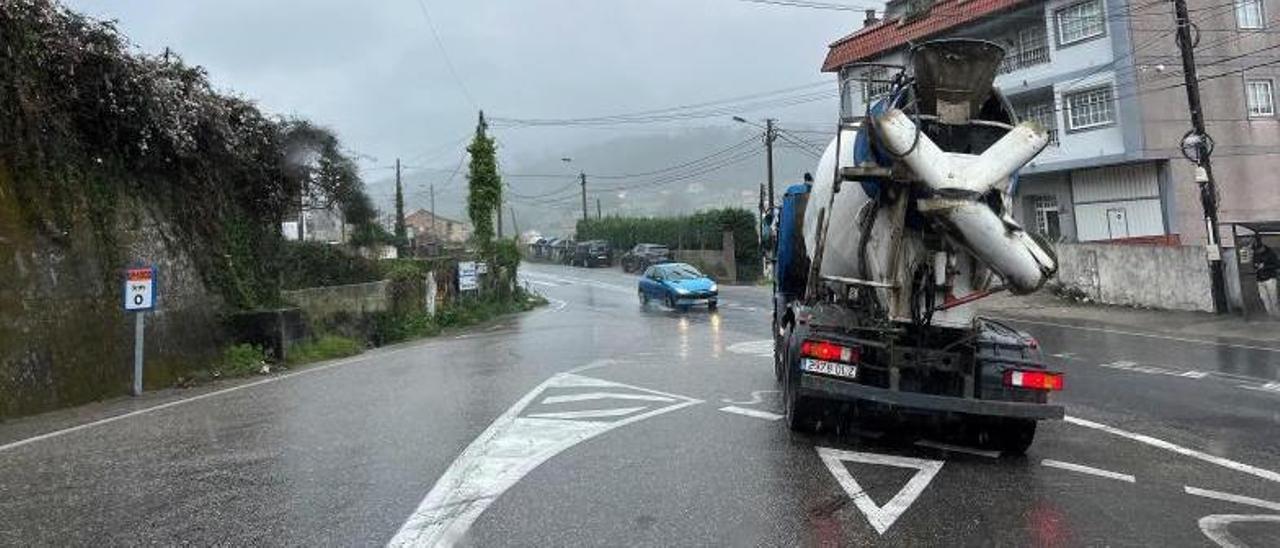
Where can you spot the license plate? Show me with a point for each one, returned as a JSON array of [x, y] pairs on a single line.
[[830, 368]]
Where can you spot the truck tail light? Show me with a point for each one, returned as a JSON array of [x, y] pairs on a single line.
[[1037, 380], [823, 350]]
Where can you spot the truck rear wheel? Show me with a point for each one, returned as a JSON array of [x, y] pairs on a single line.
[[1011, 437]]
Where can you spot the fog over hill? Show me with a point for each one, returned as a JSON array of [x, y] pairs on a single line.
[[650, 173]]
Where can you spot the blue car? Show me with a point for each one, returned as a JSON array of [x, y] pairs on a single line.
[[677, 285]]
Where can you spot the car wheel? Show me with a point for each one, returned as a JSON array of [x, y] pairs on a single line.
[[712, 305], [798, 409], [671, 301], [644, 299], [780, 352]]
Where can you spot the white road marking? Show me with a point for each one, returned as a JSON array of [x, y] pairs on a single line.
[[546, 284], [154, 408], [1156, 442], [752, 413], [603, 396], [1127, 365], [1087, 470], [1064, 355], [880, 517], [959, 449], [1239, 499], [503, 454], [762, 347], [1215, 527], [588, 413], [1137, 334], [755, 397], [1273, 387]]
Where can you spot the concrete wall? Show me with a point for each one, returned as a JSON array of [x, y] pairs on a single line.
[[320, 303], [709, 261], [1165, 277]]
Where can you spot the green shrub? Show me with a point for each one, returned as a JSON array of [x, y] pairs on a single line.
[[242, 359], [325, 347]]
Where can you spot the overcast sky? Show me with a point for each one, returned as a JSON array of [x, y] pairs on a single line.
[[373, 71]]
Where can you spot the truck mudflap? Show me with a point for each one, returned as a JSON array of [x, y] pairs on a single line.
[[828, 388]]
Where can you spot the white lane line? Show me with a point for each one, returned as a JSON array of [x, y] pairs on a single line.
[[604, 396], [752, 413], [755, 397], [588, 413], [1126, 365], [542, 283], [1087, 470], [154, 408], [959, 449], [762, 348], [510, 448], [1137, 334], [1239, 499], [1215, 527], [1156, 442]]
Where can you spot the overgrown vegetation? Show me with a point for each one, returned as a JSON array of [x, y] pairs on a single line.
[[324, 347], [242, 359], [392, 327], [313, 264], [702, 230], [85, 123], [484, 190]]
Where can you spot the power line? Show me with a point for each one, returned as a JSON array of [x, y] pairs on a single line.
[[811, 5], [445, 53]]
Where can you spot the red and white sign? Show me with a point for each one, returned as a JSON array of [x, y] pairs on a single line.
[[139, 288]]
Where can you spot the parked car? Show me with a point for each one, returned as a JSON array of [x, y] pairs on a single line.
[[677, 285], [643, 255], [562, 251], [593, 253]]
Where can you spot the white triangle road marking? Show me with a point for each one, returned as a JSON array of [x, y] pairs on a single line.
[[588, 413], [881, 517], [603, 396]]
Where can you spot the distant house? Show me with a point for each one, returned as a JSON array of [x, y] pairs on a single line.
[[425, 228]]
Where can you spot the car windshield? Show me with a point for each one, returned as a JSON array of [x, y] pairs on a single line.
[[418, 273], [682, 272]]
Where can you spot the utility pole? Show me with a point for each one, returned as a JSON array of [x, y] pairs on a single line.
[[769, 136], [583, 175], [1202, 145], [598, 208], [498, 213], [433, 212], [515, 227]]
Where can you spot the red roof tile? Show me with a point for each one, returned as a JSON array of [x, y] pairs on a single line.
[[888, 35]]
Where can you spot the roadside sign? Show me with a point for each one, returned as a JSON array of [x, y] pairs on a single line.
[[482, 268], [467, 276], [140, 288]]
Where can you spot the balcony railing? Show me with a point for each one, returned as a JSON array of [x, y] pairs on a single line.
[[1024, 58]]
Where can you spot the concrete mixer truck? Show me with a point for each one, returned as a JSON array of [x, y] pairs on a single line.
[[880, 255]]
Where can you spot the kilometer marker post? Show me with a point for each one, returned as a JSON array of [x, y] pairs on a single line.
[[139, 297]]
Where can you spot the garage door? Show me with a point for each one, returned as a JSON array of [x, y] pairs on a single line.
[[1117, 202]]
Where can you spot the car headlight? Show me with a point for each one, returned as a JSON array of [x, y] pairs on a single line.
[[715, 288], [682, 291]]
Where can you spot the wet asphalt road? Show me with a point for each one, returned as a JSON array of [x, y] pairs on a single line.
[[594, 421]]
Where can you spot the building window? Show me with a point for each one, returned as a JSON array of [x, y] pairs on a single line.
[[1090, 108], [1043, 114], [1048, 223], [1079, 22], [1030, 47], [1259, 98], [875, 83], [1249, 14]]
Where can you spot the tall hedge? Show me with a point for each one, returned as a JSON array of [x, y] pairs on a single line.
[[702, 230]]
